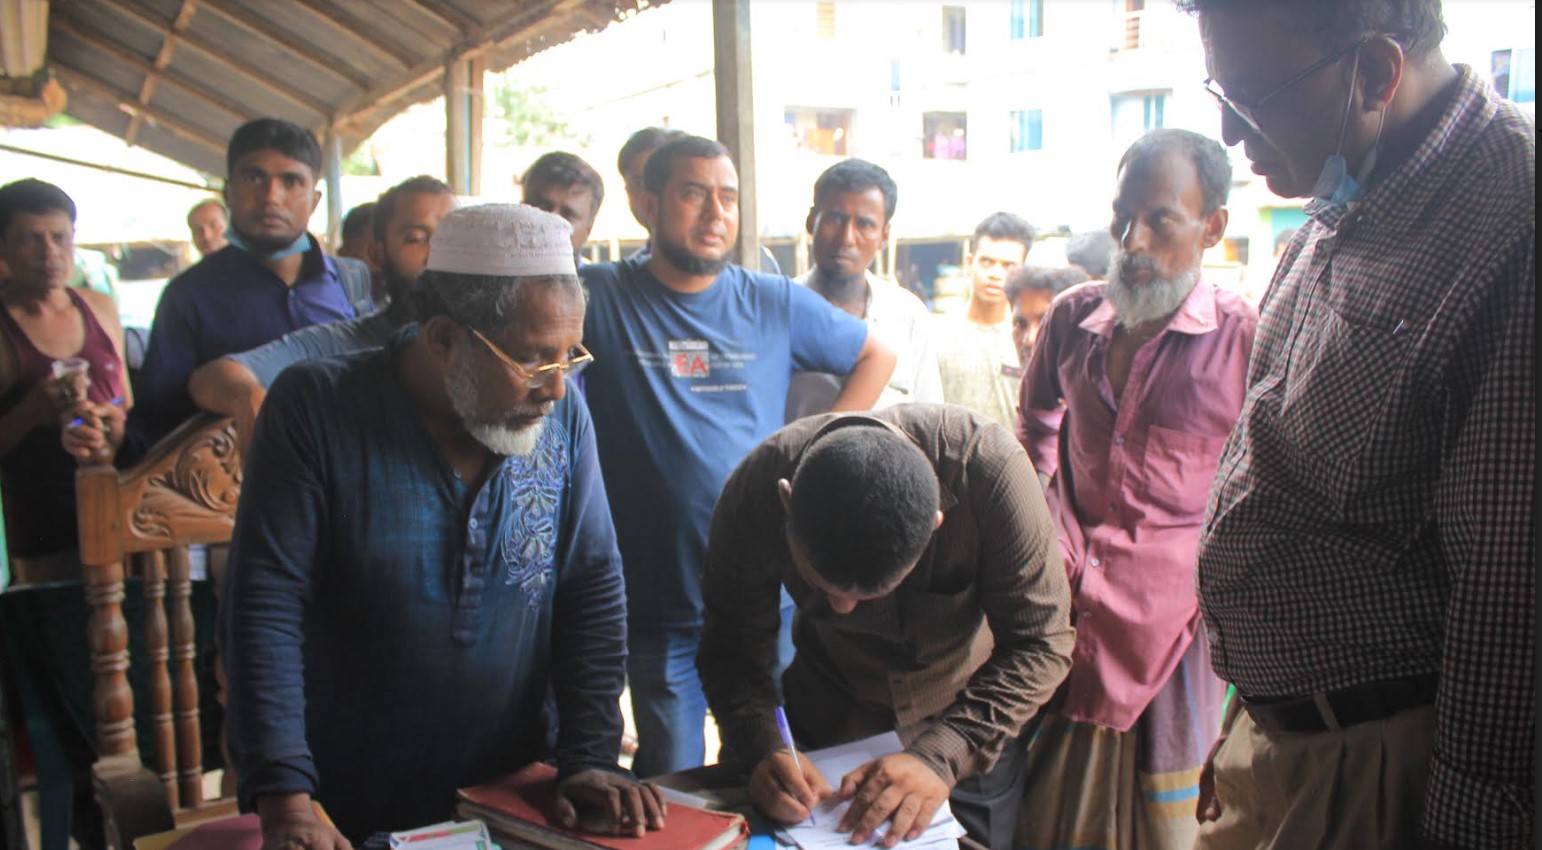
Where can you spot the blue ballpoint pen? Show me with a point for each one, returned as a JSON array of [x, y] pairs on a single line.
[[781, 726]]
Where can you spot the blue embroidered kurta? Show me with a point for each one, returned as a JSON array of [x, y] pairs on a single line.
[[390, 631]]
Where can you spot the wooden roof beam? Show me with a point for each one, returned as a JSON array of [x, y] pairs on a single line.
[[270, 83], [162, 60], [347, 26], [475, 44], [125, 101], [150, 70], [253, 22], [449, 15]]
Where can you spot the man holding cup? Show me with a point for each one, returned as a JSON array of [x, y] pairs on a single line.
[[63, 391]]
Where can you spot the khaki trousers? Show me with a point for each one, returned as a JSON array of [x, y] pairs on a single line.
[[1354, 789]]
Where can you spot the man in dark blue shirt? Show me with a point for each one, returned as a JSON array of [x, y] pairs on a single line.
[[271, 279], [404, 220], [424, 551]]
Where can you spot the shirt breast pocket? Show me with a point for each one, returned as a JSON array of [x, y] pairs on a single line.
[[1179, 469], [935, 622], [1336, 388]]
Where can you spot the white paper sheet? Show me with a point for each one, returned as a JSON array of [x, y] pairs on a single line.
[[836, 762]]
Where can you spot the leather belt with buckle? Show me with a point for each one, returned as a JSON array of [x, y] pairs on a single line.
[[1342, 708]]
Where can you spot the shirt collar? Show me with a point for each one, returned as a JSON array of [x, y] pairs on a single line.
[[1196, 315], [1471, 105]]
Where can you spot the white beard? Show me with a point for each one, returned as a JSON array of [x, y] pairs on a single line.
[[1137, 304], [498, 437]]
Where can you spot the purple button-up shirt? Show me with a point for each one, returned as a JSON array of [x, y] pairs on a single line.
[[1131, 477]]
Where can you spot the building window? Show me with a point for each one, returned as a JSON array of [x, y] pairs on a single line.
[[894, 83], [824, 20], [826, 131], [1027, 19], [1137, 114], [944, 135], [1134, 11], [1515, 74], [953, 30], [1153, 106], [1027, 130]]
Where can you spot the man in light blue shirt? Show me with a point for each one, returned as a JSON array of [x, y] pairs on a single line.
[[693, 357]]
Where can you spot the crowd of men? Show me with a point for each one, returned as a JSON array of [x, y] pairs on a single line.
[[487, 484]]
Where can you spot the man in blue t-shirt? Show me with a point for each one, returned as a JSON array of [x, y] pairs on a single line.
[[692, 362]]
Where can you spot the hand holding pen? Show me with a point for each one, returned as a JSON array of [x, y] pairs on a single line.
[[785, 787], [93, 436]]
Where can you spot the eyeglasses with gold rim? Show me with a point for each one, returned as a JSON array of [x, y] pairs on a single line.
[[540, 375]]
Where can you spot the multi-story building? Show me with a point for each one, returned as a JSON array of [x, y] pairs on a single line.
[[1023, 105]]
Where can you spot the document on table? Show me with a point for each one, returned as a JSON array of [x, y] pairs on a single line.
[[835, 762]]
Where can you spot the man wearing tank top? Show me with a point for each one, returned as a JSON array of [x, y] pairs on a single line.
[[49, 424]]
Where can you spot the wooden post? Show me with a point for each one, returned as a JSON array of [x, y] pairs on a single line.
[[183, 654], [463, 125], [152, 571], [332, 164], [736, 113], [107, 636]]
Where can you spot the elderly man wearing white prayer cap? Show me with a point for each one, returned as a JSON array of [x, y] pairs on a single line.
[[423, 550]]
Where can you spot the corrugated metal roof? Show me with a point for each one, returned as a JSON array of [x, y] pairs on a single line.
[[178, 76]]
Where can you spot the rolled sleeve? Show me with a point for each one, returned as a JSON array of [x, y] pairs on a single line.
[[330, 340]]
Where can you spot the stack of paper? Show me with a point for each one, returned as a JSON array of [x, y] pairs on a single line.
[[835, 762], [451, 835]]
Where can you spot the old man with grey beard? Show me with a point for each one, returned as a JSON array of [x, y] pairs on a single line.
[[424, 551], [1129, 394]]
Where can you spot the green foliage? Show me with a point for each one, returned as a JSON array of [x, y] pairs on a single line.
[[361, 163], [62, 119], [524, 116]]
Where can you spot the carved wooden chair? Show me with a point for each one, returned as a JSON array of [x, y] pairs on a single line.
[[141, 521]]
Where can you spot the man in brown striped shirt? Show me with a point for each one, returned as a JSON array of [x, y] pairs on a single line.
[[931, 601]]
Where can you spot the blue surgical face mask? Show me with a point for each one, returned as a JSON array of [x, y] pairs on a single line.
[[298, 246], [1335, 185]]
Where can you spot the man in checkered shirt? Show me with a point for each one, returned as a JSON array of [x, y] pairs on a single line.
[[1367, 564]]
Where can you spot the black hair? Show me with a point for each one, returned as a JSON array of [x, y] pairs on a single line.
[[1283, 238], [1093, 251], [1004, 227], [276, 134], [864, 505], [359, 220], [857, 175], [661, 166], [560, 168], [645, 140], [1415, 24], [385, 205], [32, 197], [1207, 155], [486, 303], [1043, 279]]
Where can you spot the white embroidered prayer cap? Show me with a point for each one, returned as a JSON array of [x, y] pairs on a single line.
[[502, 240]]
